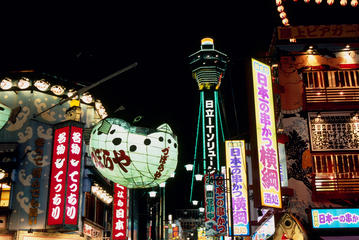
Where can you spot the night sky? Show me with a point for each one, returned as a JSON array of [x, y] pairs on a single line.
[[85, 42]]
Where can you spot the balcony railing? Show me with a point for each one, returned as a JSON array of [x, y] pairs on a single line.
[[335, 175], [331, 86]]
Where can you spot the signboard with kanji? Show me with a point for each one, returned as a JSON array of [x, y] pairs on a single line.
[[236, 164], [65, 175], [319, 31], [119, 223], [267, 150], [335, 218]]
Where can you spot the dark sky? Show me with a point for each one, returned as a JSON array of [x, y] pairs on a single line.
[[87, 41]]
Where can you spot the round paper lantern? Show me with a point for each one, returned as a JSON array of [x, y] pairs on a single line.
[[280, 8], [134, 157], [330, 2], [285, 21], [306, 1], [318, 1], [278, 2], [354, 3], [282, 15], [343, 2]]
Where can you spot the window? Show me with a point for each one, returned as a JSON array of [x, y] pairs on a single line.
[[4, 194]]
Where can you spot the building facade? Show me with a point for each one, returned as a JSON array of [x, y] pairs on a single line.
[[50, 189], [316, 76]]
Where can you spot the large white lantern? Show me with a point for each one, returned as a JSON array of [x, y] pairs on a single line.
[[134, 157]]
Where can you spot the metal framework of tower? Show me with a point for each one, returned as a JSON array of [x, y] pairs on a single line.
[[208, 69]]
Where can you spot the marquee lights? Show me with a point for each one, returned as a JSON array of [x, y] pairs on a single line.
[[24, 83], [42, 85], [57, 90], [6, 84], [101, 194]]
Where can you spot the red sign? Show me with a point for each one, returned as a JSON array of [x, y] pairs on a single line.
[[73, 176], [65, 176], [58, 176], [119, 226]]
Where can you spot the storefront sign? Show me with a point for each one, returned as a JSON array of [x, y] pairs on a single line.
[[319, 31], [209, 207], [266, 230], [65, 176], [220, 204], [119, 225], [73, 176], [335, 218], [236, 164], [266, 136], [35, 181], [91, 231]]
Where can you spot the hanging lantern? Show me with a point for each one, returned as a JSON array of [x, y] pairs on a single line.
[[134, 157], [280, 9], [285, 21], [343, 2], [330, 2], [278, 2], [282, 15], [354, 3], [318, 1], [306, 1]]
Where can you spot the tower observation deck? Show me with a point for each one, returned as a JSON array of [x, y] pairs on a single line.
[[208, 65]]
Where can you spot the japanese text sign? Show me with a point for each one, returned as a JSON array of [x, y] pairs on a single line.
[[65, 176], [220, 203], [335, 218], [210, 127], [209, 208], [266, 136], [119, 226], [319, 31], [236, 164]]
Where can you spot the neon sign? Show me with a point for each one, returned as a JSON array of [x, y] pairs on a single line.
[[236, 163], [119, 227], [266, 136], [335, 218], [65, 176]]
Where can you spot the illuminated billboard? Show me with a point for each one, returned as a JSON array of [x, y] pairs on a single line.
[[119, 226], [335, 218], [65, 176], [134, 157], [236, 164], [268, 162], [210, 128]]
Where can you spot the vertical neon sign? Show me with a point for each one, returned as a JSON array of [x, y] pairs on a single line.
[[119, 227], [65, 176], [236, 163], [266, 136]]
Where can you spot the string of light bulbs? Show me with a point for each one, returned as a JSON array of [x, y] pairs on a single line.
[[283, 14]]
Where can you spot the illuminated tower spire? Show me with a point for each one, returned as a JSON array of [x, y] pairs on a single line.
[[208, 67]]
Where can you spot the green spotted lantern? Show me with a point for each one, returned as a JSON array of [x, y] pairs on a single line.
[[132, 156]]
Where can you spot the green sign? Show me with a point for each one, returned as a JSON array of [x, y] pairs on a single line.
[[4, 115]]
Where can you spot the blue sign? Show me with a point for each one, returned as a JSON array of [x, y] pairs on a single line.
[[335, 218]]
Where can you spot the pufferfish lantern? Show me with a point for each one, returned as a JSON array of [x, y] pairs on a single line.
[[134, 157]]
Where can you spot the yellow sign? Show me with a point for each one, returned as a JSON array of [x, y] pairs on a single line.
[[266, 136]]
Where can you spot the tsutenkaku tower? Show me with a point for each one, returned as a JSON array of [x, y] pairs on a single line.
[[208, 67]]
